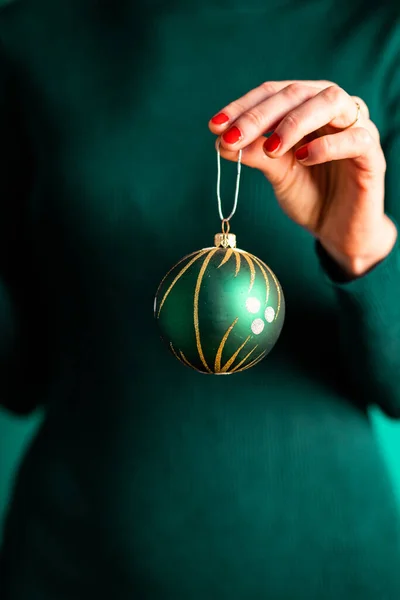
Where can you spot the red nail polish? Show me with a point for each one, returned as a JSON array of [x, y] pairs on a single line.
[[272, 143], [220, 119], [301, 153], [233, 135]]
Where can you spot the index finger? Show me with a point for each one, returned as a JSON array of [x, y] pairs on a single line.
[[264, 91]]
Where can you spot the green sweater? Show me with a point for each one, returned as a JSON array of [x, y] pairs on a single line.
[[148, 480]]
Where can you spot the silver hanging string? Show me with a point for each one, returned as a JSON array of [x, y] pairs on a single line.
[[239, 164]]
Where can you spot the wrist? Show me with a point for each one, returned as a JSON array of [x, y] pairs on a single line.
[[358, 263]]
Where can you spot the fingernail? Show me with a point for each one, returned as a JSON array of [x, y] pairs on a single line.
[[220, 119], [301, 153], [272, 143], [233, 135]]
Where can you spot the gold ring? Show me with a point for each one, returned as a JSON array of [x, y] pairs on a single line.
[[357, 117]]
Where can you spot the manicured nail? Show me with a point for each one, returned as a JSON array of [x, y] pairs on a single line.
[[220, 119], [272, 143], [233, 135], [301, 153]]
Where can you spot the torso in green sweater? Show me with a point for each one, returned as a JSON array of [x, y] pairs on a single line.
[[148, 480]]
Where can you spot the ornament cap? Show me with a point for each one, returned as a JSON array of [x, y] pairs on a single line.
[[225, 239]]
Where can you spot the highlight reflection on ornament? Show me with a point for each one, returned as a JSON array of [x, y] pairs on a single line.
[[220, 309]]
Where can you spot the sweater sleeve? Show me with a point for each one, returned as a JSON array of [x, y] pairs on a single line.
[[369, 306], [17, 388]]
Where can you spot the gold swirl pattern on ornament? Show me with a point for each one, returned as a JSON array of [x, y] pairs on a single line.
[[253, 362], [246, 256], [176, 354], [277, 285], [196, 307], [176, 265], [181, 272], [235, 369], [217, 365], [234, 356], [182, 358], [227, 256], [260, 266], [173, 351], [185, 360]]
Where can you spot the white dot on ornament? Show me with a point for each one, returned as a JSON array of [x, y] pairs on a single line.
[[257, 326], [269, 314], [253, 305]]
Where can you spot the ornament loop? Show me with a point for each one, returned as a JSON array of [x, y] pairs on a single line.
[[239, 164], [225, 226]]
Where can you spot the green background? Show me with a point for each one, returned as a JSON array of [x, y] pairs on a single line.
[[15, 434]]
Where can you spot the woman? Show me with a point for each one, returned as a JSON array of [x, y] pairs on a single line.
[[146, 479]]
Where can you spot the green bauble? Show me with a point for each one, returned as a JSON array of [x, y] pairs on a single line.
[[220, 309]]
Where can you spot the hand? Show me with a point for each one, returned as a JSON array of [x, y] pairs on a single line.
[[328, 179]]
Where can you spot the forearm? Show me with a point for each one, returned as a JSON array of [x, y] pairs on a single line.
[[369, 321]]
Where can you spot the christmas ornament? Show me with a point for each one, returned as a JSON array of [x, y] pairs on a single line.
[[220, 309]]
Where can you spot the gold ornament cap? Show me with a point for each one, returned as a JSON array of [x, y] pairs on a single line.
[[225, 239]]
